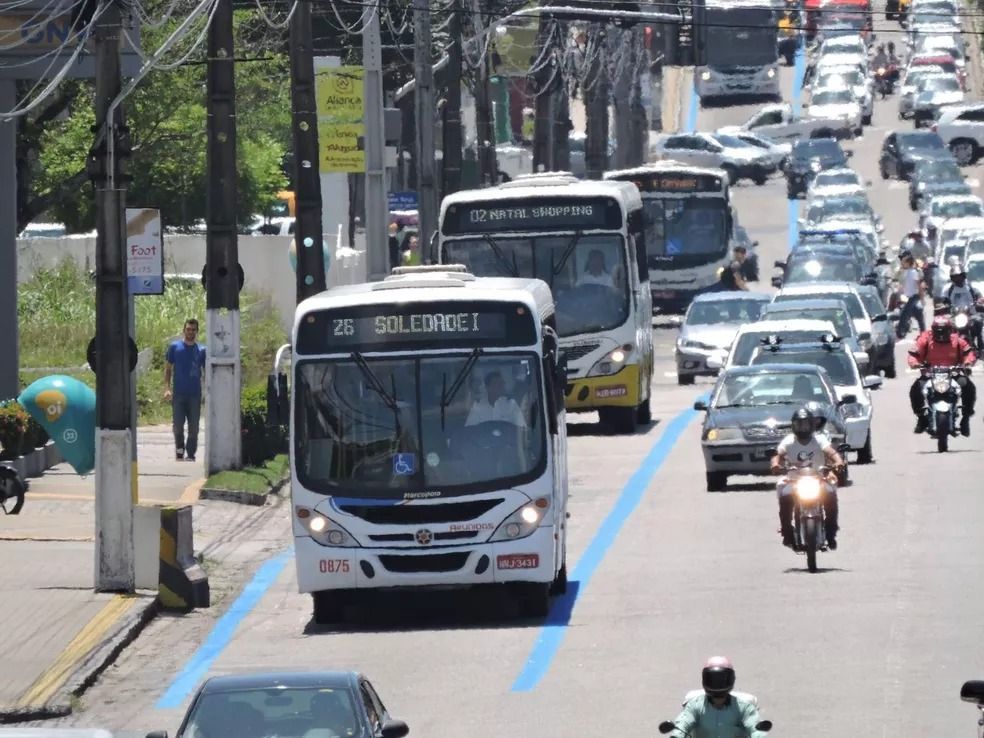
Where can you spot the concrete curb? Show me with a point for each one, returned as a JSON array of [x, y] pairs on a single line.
[[84, 672], [243, 498]]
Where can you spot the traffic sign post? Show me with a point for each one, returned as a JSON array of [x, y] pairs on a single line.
[[399, 201]]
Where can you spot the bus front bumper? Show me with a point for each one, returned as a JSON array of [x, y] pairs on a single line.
[[529, 559], [615, 390]]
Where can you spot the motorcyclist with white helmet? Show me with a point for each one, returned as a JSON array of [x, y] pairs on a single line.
[[963, 296], [717, 713]]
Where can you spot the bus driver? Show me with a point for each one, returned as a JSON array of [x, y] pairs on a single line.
[[497, 406], [595, 271]]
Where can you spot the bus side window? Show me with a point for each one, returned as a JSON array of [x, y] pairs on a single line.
[[555, 378], [637, 241]]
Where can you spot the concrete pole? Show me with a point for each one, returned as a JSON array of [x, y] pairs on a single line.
[[377, 205], [488, 164], [424, 99], [223, 445], [596, 104], [623, 103], [114, 553], [451, 146], [9, 357]]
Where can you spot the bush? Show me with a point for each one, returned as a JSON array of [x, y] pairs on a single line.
[[260, 440], [18, 431]]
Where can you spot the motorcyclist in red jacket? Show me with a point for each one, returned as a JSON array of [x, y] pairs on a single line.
[[941, 345]]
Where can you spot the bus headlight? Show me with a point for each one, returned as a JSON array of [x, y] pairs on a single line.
[[612, 362], [325, 530], [522, 522], [705, 75], [771, 73]]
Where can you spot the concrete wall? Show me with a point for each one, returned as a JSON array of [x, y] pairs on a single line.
[[264, 260]]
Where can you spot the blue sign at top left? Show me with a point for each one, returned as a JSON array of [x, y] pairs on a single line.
[[144, 251], [402, 201]]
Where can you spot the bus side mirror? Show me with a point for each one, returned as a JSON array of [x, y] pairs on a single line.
[[278, 399], [433, 250]]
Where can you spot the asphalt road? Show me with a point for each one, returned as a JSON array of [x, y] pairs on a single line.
[[875, 644]]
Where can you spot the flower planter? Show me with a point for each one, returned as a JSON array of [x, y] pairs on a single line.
[[37, 462]]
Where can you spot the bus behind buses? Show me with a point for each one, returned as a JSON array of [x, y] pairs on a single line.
[[690, 229], [428, 438], [587, 241]]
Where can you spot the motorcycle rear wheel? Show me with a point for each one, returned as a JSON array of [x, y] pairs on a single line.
[[810, 532]]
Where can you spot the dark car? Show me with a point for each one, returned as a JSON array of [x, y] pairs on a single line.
[[750, 411], [933, 177], [342, 704], [820, 265], [809, 157], [902, 149]]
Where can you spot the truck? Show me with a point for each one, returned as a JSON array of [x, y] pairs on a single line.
[[778, 122], [739, 49]]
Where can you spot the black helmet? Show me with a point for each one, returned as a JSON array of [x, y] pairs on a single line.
[[942, 328], [957, 270], [803, 425], [718, 676]]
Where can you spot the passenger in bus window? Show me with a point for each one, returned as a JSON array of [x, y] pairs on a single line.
[[496, 406], [596, 271]]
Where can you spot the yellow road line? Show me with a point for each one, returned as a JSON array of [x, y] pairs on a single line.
[[58, 673], [44, 537], [189, 496], [191, 492]]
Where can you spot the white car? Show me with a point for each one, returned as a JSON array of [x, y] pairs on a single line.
[[942, 208], [835, 77], [962, 129], [750, 336], [975, 271], [843, 45], [908, 84], [776, 151], [839, 182], [840, 290], [838, 103], [740, 161], [848, 384], [933, 95]]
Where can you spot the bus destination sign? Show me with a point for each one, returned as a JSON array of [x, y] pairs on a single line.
[[681, 182], [418, 325], [533, 214]]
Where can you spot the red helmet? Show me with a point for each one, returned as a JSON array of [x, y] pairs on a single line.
[[942, 328], [718, 676]]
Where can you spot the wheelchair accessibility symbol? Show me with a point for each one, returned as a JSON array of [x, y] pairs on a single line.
[[404, 464]]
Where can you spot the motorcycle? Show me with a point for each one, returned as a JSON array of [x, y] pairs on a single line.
[[943, 401], [967, 321], [12, 490], [763, 726], [973, 691], [885, 80], [809, 535]]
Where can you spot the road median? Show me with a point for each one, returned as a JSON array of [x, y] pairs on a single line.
[[250, 485]]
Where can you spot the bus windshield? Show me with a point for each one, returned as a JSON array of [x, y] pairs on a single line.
[[401, 427], [586, 273], [690, 230]]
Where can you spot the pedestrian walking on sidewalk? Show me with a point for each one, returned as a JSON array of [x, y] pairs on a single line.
[[185, 362]]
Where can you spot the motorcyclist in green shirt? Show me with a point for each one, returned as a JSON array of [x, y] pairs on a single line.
[[717, 713]]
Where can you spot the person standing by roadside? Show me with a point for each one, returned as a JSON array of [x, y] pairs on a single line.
[[185, 362], [912, 289]]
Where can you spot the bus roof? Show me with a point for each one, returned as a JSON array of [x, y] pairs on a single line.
[[434, 283], [660, 167], [545, 185]]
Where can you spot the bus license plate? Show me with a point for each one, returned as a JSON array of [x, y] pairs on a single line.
[[664, 294], [518, 561]]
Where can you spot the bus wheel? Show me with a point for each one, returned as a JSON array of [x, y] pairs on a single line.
[[619, 419], [534, 599], [559, 585], [329, 606], [644, 412]]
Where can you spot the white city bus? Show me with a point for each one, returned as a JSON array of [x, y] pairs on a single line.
[[428, 438], [690, 229], [587, 241]]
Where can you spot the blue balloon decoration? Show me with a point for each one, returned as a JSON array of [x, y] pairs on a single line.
[[292, 254], [66, 409]]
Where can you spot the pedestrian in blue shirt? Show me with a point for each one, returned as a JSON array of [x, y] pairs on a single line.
[[186, 363]]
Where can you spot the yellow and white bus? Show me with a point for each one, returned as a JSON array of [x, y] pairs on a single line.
[[428, 438], [586, 239]]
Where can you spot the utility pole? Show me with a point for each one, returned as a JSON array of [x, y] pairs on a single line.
[[451, 145], [540, 82], [424, 101], [377, 207], [561, 124], [223, 448], [307, 180], [624, 87], [596, 103], [484, 117], [114, 351]]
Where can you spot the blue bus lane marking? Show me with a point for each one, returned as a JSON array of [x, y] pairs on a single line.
[[692, 109], [552, 634], [196, 668], [799, 69]]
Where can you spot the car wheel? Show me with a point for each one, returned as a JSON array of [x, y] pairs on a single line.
[[866, 120], [717, 481], [865, 455], [964, 151], [760, 179], [683, 379], [883, 171], [732, 174]]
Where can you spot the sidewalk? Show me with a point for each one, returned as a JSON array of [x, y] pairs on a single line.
[[59, 632]]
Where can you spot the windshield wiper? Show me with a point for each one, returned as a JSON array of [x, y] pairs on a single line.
[[448, 395], [568, 250], [501, 257], [389, 400]]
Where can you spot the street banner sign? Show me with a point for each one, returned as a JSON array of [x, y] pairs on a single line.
[[341, 127], [144, 251]]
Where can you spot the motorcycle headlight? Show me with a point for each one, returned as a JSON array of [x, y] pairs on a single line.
[[771, 73], [723, 434], [705, 76], [941, 385], [612, 362], [522, 522], [921, 186], [961, 320], [808, 489], [325, 530]]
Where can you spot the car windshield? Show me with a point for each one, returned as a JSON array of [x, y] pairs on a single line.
[[840, 207], [824, 149], [840, 79], [955, 251], [938, 171], [722, 312], [920, 141], [273, 712], [772, 388], [975, 246], [849, 298], [732, 141], [395, 427], [872, 303], [839, 317], [964, 209], [975, 270], [832, 97], [746, 343], [828, 179], [587, 273], [811, 269], [838, 364], [939, 84]]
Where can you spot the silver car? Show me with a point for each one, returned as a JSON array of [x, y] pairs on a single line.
[[709, 327]]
